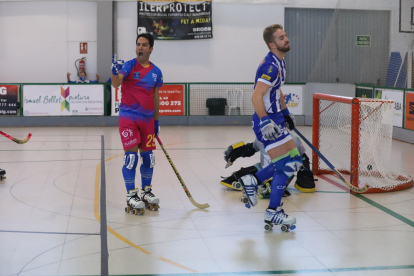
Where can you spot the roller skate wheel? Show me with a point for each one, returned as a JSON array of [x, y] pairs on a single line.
[[261, 196], [150, 207], [127, 209], [285, 228], [268, 227], [135, 211], [236, 185], [244, 199], [141, 211], [156, 207]]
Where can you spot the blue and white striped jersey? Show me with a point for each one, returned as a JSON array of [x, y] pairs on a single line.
[[271, 71]]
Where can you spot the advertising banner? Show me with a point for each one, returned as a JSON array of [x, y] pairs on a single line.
[[294, 98], [63, 100], [175, 20], [398, 97], [171, 100], [364, 92], [409, 110], [9, 95]]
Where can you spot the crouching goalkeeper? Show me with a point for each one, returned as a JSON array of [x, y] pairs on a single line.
[[305, 181]]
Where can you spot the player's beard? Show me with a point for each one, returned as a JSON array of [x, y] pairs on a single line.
[[284, 49]]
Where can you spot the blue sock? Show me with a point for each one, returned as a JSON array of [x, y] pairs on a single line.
[[129, 169], [266, 173], [147, 168], [278, 183]]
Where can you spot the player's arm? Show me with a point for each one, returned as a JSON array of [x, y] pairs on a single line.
[[282, 100], [269, 129], [116, 77], [257, 98], [117, 80], [156, 102]]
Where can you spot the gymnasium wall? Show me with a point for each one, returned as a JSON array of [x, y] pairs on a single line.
[[40, 40]]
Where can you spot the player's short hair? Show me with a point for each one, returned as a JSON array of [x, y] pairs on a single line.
[[82, 72], [147, 36], [268, 33]]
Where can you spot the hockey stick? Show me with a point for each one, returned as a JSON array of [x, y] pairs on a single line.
[[15, 139], [201, 206], [349, 185]]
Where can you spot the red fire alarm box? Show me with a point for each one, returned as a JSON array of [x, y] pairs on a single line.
[[83, 47]]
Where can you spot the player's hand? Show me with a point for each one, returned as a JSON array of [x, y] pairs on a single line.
[[269, 129], [68, 75], [157, 127], [116, 65], [97, 77], [290, 120]]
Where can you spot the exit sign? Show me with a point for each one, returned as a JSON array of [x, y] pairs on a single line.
[[363, 40], [83, 47]]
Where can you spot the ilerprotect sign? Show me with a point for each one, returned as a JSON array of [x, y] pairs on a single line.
[[176, 20], [63, 100]]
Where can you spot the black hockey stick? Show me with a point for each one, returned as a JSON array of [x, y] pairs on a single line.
[[349, 185], [201, 206], [15, 139]]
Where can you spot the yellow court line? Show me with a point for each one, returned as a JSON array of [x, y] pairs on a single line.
[[116, 234]]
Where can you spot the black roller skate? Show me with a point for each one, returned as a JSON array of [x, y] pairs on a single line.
[[150, 200], [2, 174], [305, 181], [134, 204]]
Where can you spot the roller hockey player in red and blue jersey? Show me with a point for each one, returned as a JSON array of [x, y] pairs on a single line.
[[271, 122], [138, 121]]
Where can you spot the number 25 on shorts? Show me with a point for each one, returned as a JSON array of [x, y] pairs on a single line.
[[151, 140]]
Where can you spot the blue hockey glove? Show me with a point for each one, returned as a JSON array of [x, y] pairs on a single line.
[[157, 127], [269, 129], [290, 121], [116, 65]]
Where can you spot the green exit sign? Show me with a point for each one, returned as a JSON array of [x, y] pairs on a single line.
[[363, 40]]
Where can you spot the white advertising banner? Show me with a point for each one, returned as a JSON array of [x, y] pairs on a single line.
[[115, 100], [63, 100], [398, 97], [294, 98]]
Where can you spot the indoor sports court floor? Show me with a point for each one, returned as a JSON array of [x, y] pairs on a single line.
[[51, 213]]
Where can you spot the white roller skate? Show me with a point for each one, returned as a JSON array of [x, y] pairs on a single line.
[[249, 188], [134, 204], [278, 217], [150, 200]]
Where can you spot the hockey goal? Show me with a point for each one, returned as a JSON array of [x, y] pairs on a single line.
[[356, 133]]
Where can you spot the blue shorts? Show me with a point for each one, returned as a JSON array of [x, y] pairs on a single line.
[[283, 138]]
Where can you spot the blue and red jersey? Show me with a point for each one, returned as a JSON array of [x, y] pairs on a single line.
[[138, 89]]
